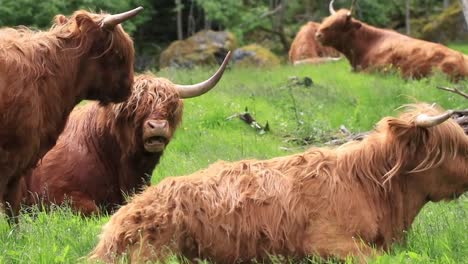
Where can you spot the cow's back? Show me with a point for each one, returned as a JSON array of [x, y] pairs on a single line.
[[418, 58], [234, 211], [305, 46]]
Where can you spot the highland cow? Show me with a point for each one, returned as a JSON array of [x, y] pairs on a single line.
[[305, 49], [355, 200], [109, 152], [370, 48], [43, 75]]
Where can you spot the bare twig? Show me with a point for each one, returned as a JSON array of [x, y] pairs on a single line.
[[453, 90]]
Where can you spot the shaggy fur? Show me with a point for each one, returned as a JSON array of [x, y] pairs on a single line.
[[370, 48], [325, 202], [305, 49], [43, 75], [100, 157]]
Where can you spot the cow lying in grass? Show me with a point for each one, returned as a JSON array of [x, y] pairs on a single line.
[[369, 48], [108, 152], [306, 50], [325, 202]]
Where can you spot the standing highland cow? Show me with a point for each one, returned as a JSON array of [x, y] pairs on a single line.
[[43, 75], [108, 151], [306, 50], [326, 202], [370, 48]]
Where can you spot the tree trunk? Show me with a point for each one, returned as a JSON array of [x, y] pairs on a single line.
[[408, 18], [191, 24], [465, 10], [308, 8], [278, 21], [446, 4], [180, 33]]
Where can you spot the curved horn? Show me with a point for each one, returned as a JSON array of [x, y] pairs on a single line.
[[351, 9], [424, 120], [194, 90], [331, 9], [111, 21]]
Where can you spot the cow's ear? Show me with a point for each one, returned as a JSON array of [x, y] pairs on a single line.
[[356, 25], [398, 127], [60, 20], [85, 22], [352, 23], [406, 131]]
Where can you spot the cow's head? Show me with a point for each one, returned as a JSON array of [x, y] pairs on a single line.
[[336, 29], [429, 150], [154, 110], [104, 70]]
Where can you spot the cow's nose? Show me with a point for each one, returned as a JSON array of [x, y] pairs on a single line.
[[156, 124]]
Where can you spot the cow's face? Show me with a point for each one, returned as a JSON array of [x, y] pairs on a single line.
[[336, 29], [159, 126], [450, 179], [148, 119], [433, 152], [106, 55], [112, 76], [110, 66]]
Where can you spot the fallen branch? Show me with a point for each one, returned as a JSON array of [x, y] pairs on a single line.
[[348, 137], [461, 118], [248, 119], [453, 90]]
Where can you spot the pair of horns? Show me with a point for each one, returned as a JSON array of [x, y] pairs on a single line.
[[110, 21], [194, 90], [332, 10], [424, 120]]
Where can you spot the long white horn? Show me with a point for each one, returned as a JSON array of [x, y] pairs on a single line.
[[194, 90], [111, 21], [331, 9]]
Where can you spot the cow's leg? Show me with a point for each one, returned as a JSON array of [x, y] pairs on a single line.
[[82, 203], [330, 242], [5, 175], [13, 198]]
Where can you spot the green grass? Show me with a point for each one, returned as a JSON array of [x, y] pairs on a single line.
[[338, 97]]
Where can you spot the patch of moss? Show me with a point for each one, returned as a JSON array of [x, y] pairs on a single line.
[[256, 55], [204, 48]]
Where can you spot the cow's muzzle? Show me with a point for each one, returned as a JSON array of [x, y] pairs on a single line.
[[155, 135]]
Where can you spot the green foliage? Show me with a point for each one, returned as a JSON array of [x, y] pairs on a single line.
[[237, 16], [446, 26], [40, 13]]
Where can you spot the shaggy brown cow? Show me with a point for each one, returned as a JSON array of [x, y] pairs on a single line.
[[325, 202], [305, 49], [43, 75], [368, 47], [106, 152]]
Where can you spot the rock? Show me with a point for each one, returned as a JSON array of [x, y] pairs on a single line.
[[255, 55], [204, 48]]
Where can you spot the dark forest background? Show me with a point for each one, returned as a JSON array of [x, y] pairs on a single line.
[[276, 21]]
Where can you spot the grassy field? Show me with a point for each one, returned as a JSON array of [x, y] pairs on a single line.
[[295, 114]]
